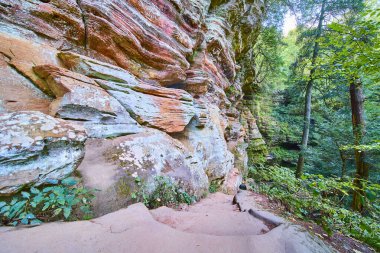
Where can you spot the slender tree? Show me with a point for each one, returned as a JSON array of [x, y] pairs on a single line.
[[353, 55], [326, 11], [309, 87], [358, 126]]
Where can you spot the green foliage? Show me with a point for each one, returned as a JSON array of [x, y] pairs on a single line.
[[357, 39], [282, 155], [52, 202], [350, 46], [256, 152], [231, 91], [214, 186], [324, 200], [166, 193], [373, 146]]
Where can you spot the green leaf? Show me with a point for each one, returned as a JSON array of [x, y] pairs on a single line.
[[47, 189], [57, 211], [14, 200], [70, 181], [85, 209], [16, 209], [37, 199], [25, 221], [67, 212], [46, 206], [4, 209], [61, 201], [2, 203], [58, 190], [30, 216], [34, 190], [26, 195], [35, 222]]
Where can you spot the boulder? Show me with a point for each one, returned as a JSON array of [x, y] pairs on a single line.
[[169, 110], [208, 145], [112, 165], [36, 148], [232, 181], [80, 98]]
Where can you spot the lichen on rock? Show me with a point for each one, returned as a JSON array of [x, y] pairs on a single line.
[[36, 148]]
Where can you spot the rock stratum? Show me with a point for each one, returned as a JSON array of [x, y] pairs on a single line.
[[118, 89]]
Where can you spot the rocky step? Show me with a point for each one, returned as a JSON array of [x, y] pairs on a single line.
[[215, 215], [136, 229]]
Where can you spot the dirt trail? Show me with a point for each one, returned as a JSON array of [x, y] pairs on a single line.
[[212, 225]]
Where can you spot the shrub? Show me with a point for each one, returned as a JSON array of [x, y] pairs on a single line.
[[324, 200], [166, 193], [51, 202], [214, 186]]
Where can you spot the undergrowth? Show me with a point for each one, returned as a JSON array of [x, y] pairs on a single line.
[[66, 201], [166, 192], [323, 200]]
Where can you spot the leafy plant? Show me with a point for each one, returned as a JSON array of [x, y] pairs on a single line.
[[166, 193], [214, 186], [323, 200], [52, 202]]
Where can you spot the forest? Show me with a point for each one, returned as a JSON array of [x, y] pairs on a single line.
[[317, 104]]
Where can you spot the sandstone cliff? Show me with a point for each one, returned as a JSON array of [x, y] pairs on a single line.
[[124, 89]]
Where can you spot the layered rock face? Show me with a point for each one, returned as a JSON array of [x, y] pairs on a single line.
[[160, 72], [36, 148]]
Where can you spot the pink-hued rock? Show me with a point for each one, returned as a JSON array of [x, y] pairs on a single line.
[[23, 54], [112, 166], [232, 181], [17, 93], [169, 110], [213, 225], [151, 39], [96, 69], [163, 108], [137, 61], [56, 20], [79, 97]]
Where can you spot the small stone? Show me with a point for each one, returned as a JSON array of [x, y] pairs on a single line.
[[243, 187]]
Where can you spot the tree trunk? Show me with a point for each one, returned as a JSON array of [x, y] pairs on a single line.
[[343, 158], [358, 126], [344, 163], [309, 88], [306, 128]]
